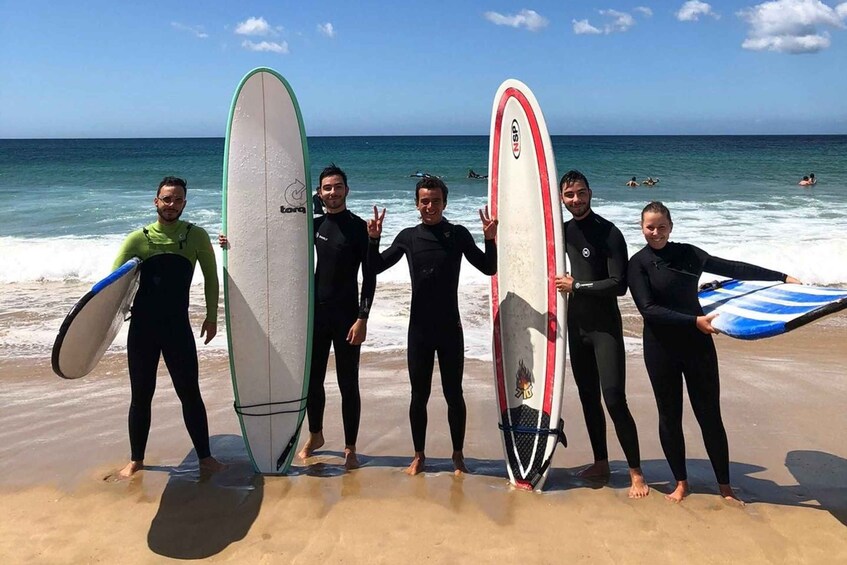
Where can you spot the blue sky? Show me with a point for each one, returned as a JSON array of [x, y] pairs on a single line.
[[165, 69]]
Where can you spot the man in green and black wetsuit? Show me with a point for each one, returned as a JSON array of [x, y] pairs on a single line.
[[169, 249]]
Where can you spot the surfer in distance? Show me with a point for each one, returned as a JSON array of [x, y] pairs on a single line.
[[677, 339], [598, 257], [809, 180], [434, 250], [317, 203], [169, 249], [632, 182], [340, 313]]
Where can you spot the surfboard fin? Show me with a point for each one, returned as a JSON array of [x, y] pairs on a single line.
[[281, 461], [563, 439]]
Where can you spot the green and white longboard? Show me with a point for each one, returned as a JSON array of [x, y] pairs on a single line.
[[268, 266]]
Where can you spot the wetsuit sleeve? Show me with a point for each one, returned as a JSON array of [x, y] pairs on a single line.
[[209, 267], [615, 285], [380, 262], [368, 277], [485, 261], [131, 247], [737, 269], [642, 293]]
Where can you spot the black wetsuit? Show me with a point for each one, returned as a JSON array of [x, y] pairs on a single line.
[[160, 325], [598, 257], [664, 285], [435, 255], [341, 241]]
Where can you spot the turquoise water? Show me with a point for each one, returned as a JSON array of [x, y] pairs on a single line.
[[731, 194], [68, 204]]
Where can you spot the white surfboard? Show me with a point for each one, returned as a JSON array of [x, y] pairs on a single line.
[[527, 312], [92, 324], [268, 266]]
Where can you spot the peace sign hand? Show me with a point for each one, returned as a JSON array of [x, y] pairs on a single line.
[[489, 224], [375, 225]]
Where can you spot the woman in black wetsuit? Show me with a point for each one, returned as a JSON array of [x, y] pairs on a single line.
[[663, 280]]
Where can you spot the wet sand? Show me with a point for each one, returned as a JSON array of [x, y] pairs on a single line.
[[784, 408]]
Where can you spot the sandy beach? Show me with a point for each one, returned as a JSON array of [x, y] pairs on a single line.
[[783, 402]]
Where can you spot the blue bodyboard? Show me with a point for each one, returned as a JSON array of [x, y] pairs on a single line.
[[94, 321], [759, 309]]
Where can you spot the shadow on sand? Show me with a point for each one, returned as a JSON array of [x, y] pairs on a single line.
[[821, 478], [200, 515]]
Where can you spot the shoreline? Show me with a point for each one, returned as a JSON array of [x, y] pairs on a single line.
[[783, 406]]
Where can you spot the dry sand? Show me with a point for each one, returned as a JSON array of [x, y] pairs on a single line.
[[783, 402]]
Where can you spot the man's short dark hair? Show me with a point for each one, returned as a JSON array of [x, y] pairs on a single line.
[[330, 171], [430, 183], [571, 177], [172, 181]]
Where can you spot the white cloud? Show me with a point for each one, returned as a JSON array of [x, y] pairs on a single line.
[[196, 31], [582, 27], [693, 9], [529, 19], [254, 26], [791, 26], [644, 10], [266, 46], [621, 21], [326, 29]]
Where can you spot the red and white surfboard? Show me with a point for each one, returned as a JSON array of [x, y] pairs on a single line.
[[527, 312]]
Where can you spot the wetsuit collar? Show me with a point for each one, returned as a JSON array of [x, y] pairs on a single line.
[[338, 216], [440, 225], [589, 216], [168, 229]]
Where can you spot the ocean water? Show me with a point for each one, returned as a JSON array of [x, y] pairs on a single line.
[[68, 204]]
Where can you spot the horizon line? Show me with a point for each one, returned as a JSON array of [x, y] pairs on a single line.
[[70, 138]]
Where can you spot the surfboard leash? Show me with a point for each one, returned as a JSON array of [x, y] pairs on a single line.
[[240, 409], [557, 431]]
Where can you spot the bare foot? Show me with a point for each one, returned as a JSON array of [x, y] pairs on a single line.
[[459, 464], [350, 460], [680, 492], [597, 470], [315, 442], [131, 468], [211, 465], [728, 494], [417, 465], [639, 487]]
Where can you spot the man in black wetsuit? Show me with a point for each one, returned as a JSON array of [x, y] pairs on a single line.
[[341, 315], [598, 258], [434, 249]]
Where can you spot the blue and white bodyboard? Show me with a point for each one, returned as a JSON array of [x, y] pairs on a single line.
[[94, 322], [759, 309]]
